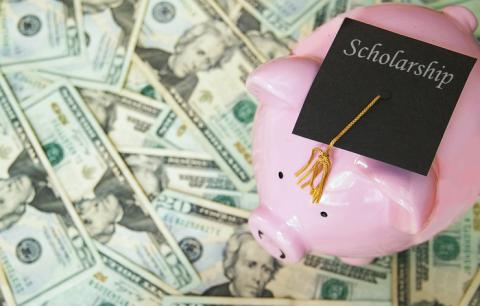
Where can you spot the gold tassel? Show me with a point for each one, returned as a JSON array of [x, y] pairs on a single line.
[[323, 163]]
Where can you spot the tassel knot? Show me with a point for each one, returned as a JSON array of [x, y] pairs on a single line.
[[323, 164]]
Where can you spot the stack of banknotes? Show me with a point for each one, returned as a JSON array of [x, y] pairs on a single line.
[[126, 169]]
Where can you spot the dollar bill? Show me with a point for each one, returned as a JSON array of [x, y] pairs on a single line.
[[111, 204], [433, 3], [133, 121], [194, 56], [216, 240], [137, 82], [106, 287], [6, 294], [189, 172], [38, 33], [168, 131], [25, 84], [262, 37], [116, 284], [283, 17], [438, 271], [112, 29], [221, 301], [472, 295], [43, 246], [124, 116], [337, 7]]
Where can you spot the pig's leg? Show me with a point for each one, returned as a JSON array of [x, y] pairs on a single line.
[[357, 261]]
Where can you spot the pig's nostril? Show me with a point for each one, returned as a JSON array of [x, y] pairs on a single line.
[[282, 256], [260, 234]]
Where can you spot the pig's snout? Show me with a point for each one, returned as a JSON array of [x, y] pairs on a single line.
[[276, 237]]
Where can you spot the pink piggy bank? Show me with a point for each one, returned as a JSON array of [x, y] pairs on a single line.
[[368, 208]]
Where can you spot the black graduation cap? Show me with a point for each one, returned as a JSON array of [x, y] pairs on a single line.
[[419, 85]]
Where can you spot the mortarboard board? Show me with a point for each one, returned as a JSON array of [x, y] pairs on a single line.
[[420, 84]]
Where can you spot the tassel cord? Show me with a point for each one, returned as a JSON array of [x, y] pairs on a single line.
[[323, 163]]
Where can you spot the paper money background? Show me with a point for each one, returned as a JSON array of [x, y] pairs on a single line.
[[125, 162]]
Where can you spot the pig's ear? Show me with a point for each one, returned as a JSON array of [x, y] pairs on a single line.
[[463, 16], [283, 82]]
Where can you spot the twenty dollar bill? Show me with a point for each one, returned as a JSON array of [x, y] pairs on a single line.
[[111, 204], [192, 56], [43, 246]]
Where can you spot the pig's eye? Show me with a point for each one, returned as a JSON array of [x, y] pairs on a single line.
[[282, 255], [260, 234], [280, 174], [323, 214]]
